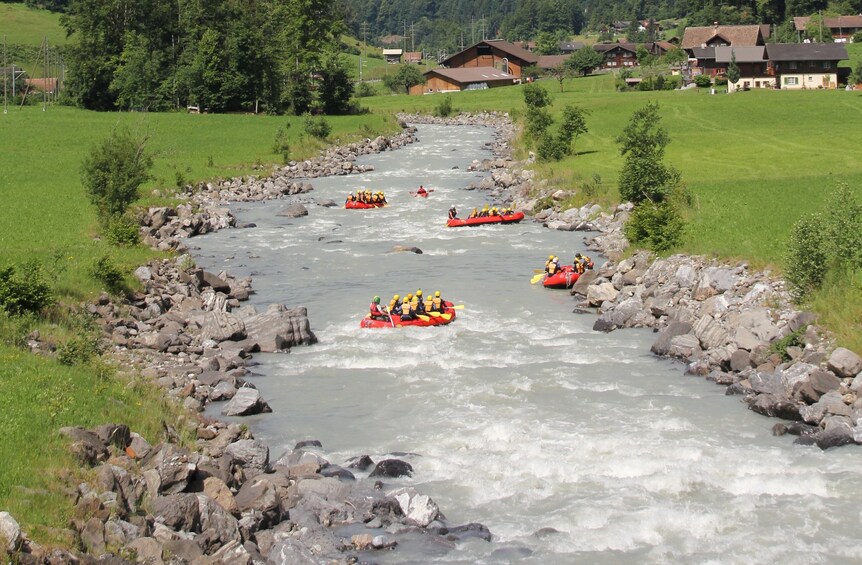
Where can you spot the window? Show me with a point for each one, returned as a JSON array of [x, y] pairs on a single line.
[[810, 78], [827, 65], [791, 65], [791, 81]]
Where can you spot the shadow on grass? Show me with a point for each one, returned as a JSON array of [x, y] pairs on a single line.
[[579, 153]]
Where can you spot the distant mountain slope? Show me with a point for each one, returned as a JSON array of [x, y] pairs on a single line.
[[21, 25]]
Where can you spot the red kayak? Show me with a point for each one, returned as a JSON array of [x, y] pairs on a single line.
[[512, 218], [432, 319], [421, 193], [354, 205], [564, 278]]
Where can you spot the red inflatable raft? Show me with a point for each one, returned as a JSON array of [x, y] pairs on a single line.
[[354, 205], [437, 319], [512, 218], [564, 278]]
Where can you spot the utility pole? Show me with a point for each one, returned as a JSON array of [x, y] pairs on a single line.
[[405, 36], [5, 72], [364, 27], [412, 36]]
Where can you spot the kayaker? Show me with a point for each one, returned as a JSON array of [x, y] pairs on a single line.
[[437, 302], [428, 304], [407, 312], [484, 212], [421, 191], [420, 302], [382, 197], [376, 312], [553, 266], [453, 213], [474, 213], [548, 264]]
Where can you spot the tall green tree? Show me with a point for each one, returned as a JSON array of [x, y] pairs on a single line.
[[406, 77], [733, 73], [584, 60], [644, 175]]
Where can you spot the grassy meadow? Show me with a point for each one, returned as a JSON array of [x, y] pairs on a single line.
[[21, 25]]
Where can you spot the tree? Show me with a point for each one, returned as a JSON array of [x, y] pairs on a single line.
[[535, 96], [644, 177], [336, 87], [574, 125], [816, 30], [560, 72], [547, 43], [733, 69], [584, 60], [406, 77], [114, 171]]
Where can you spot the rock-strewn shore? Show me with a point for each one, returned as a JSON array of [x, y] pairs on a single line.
[[224, 500]]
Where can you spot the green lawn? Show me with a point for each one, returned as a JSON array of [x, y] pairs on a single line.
[[21, 25]]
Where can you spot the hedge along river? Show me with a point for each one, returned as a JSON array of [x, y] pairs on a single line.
[[570, 445]]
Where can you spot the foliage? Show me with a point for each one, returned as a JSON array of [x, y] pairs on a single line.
[[538, 121], [703, 81], [364, 89], [335, 88], [316, 126], [106, 271], [407, 76], [123, 231], [552, 148], [114, 171], [816, 30], [592, 187], [535, 96], [281, 145], [856, 75], [824, 242], [658, 226], [560, 73], [548, 43], [674, 57], [642, 143], [793, 339], [584, 60], [733, 69], [85, 343], [24, 289], [573, 126], [444, 109]]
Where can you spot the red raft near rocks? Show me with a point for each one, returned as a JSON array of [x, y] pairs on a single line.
[[512, 218], [422, 320], [356, 205], [564, 278]]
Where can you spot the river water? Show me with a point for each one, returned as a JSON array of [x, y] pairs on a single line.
[[517, 415]]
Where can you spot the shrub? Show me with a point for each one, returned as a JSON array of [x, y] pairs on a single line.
[[106, 271], [84, 345], [280, 145], [538, 122], [317, 126], [114, 171], [535, 96], [658, 227], [444, 109], [720, 81], [703, 81], [593, 186], [24, 289], [552, 148], [364, 89], [123, 231]]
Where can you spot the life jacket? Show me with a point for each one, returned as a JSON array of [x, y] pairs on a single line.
[[392, 304], [552, 267], [452, 214], [579, 267], [437, 304], [396, 309], [375, 310], [414, 305], [429, 304], [420, 306]]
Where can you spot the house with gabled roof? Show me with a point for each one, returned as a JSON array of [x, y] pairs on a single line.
[[392, 56], [718, 36], [797, 66], [494, 53], [752, 65], [444, 79], [842, 28], [617, 55]]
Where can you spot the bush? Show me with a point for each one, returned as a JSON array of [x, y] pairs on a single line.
[[24, 289], [84, 345], [658, 227], [317, 126], [720, 81], [280, 145], [538, 122], [106, 271], [593, 186], [552, 148], [703, 81], [114, 170], [444, 109], [364, 89], [123, 231]]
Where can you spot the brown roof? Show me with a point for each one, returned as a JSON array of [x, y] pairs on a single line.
[[806, 52], [742, 36], [42, 84], [413, 56], [743, 54], [504, 46], [840, 22], [467, 75], [551, 61], [605, 47]]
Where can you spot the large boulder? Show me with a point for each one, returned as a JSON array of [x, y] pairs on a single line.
[[419, 509], [280, 328], [260, 496], [596, 294], [223, 326], [662, 343], [845, 363], [179, 512], [246, 402], [207, 279], [295, 210], [392, 468], [10, 533], [251, 454]]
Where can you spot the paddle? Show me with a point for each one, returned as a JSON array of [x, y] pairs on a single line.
[[538, 270], [423, 318], [386, 311], [445, 316], [458, 307], [537, 278]]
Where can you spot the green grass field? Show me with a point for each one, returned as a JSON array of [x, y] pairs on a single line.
[[28, 26]]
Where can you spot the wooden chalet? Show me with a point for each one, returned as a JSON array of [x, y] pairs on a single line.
[[392, 56], [617, 55], [444, 79], [413, 57], [842, 28], [797, 66], [493, 53], [752, 65], [569, 47], [720, 36]]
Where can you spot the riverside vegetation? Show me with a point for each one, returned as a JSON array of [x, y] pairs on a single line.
[[743, 206]]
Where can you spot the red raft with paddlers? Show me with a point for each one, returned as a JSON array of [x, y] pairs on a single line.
[[509, 218], [563, 278], [421, 320], [356, 205]]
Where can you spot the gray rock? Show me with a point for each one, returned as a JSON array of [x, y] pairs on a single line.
[[10, 533], [845, 363], [179, 512], [221, 526], [596, 294], [295, 210], [292, 552], [223, 326], [418, 508], [774, 406], [686, 276], [280, 328], [710, 333], [661, 346], [260, 496], [246, 402], [93, 536], [207, 279], [740, 360], [392, 468], [684, 346], [147, 550], [249, 454], [834, 437], [85, 445]]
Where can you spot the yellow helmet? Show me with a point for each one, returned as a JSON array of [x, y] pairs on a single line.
[[419, 292], [409, 296], [550, 257], [396, 297], [485, 207], [437, 294]]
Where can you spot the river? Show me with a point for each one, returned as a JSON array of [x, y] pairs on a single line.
[[517, 415]]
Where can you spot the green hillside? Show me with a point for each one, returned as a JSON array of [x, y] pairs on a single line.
[[21, 25]]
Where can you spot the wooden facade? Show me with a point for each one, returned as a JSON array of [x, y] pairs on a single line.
[[497, 54]]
